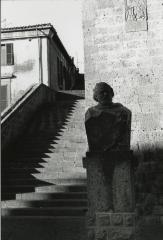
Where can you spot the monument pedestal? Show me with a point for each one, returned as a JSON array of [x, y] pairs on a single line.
[[109, 168], [110, 195], [115, 226]]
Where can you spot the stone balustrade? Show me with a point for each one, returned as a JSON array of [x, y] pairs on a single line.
[[14, 122]]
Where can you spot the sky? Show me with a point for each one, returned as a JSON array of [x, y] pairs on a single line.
[[64, 15]]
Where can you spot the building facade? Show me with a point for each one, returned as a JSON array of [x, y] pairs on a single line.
[[126, 51], [32, 55]]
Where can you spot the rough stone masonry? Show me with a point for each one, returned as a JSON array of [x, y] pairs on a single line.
[[123, 45], [109, 168]]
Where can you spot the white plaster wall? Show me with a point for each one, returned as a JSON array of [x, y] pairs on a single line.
[[45, 61], [26, 66]]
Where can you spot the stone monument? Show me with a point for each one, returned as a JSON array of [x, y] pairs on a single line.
[[107, 124], [109, 168]]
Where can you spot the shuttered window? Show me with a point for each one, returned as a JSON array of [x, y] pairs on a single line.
[[7, 54], [10, 54]]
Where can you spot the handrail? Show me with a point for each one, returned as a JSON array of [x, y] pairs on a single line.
[[10, 108], [17, 116]]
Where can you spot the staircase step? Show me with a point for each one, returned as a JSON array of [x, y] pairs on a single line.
[[53, 155], [41, 186], [49, 218], [66, 149], [40, 141], [7, 196], [69, 181], [59, 188], [59, 183], [20, 170], [65, 156], [23, 164], [47, 175], [66, 168], [41, 194], [44, 204], [43, 144], [26, 160], [19, 175], [17, 189], [42, 150], [34, 188], [43, 228], [50, 196], [49, 166], [32, 154], [66, 211], [61, 175]]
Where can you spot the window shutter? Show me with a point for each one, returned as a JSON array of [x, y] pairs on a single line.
[[10, 54], [3, 54]]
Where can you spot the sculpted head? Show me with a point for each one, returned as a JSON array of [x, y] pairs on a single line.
[[103, 93]]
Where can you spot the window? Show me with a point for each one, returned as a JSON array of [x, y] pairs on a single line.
[[60, 73], [7, 54], [58, 69]]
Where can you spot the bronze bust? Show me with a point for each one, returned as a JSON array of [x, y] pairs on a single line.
[[107, 124]]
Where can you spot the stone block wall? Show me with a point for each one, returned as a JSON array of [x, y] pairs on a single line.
[[111, 208], [15, 119], [113, 226], [130, 58], [123, 46]]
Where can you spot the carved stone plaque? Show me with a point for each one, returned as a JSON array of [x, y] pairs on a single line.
[[136, 15]]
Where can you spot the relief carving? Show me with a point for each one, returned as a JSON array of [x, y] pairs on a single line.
[[136, 15]]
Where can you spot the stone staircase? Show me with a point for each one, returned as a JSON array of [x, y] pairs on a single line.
[[44, 193], [43, 178]]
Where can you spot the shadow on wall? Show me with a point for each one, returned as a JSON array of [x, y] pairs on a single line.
[[25, 66], [21, 93], [28, 154]]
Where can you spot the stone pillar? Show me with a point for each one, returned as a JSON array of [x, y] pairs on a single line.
[[109, 169], [110, 194], [115, 226]]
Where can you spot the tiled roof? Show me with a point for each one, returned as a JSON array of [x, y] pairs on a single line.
[[39, 26], [29, 27]]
